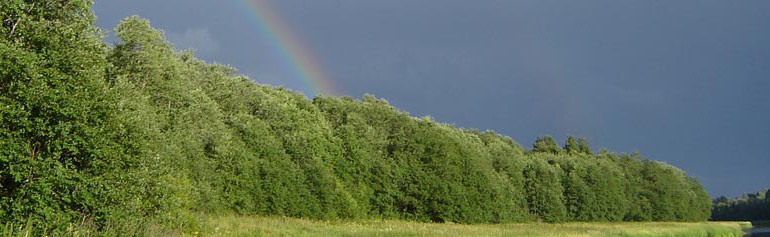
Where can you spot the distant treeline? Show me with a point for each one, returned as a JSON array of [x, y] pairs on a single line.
[[749, 207], [120, 136]]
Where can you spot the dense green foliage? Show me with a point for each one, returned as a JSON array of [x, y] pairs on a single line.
[[749, 207], [98, 136], [62, 159]]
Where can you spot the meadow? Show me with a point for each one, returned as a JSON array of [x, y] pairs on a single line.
[[283, 226]]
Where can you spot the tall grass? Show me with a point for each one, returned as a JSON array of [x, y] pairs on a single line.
[[284, 226], [281, 226]]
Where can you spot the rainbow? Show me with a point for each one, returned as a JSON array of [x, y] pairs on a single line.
[[289, 48]]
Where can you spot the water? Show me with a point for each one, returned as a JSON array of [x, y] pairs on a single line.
[[758, 232]]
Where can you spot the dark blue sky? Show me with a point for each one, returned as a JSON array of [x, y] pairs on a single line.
[[685, 82]]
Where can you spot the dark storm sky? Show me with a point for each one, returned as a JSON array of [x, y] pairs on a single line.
[[685, 82]]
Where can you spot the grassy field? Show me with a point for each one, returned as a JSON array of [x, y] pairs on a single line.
[[279, 226]]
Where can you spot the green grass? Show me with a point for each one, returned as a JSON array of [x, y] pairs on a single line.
[[284, 226], [281, 226]]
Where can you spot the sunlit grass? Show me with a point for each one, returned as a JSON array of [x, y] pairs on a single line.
[[281, 226], [284, 226]]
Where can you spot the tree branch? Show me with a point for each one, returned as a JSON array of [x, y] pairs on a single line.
[[13, 28]]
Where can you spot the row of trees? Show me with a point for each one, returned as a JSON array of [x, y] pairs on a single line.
[[99, 136], [748, 207]]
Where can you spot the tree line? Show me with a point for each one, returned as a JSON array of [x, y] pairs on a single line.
[[748, 207], [120, 136]]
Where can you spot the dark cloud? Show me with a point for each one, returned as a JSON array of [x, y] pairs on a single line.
[[684, 82]]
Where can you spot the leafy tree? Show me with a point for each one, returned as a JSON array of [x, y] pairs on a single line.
[[62, 158], [544, 191], [637, 189], [700, 203], [546, 144], [577, 145], [749, 207]]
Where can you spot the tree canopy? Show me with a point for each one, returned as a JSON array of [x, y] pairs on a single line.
[[747, 207]]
